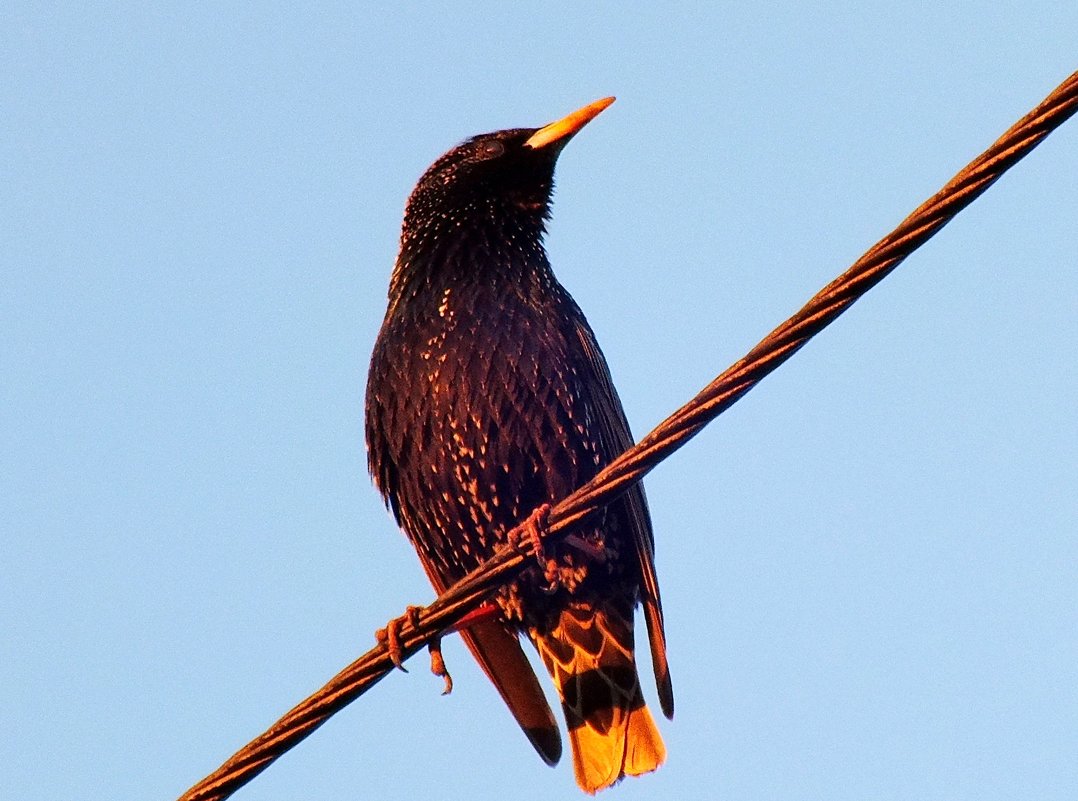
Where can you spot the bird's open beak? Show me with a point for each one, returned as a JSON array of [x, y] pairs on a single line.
[[564, 129]]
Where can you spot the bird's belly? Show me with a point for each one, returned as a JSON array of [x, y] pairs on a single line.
[[493, 427]]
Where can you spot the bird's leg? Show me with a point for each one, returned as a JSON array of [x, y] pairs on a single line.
[[437, 664], [390, 635], [594, 552]]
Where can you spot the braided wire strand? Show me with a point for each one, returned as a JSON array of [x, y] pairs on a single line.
[[725, 390]]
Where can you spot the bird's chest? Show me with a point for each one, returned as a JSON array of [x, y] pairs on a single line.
[[468, 356], [484, 411]]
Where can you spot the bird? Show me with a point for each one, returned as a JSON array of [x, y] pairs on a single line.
[[488, 398]]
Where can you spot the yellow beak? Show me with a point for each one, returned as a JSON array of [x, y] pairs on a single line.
[[562, 130]]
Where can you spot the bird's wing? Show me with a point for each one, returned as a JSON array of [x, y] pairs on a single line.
[[614, 428], [495, 648], [498, 652]]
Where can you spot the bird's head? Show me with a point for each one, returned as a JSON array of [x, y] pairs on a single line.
[[493, 188]]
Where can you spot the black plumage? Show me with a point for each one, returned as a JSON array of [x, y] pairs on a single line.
[[487, 397]]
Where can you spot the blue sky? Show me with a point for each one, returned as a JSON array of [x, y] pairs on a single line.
[[868, 564]]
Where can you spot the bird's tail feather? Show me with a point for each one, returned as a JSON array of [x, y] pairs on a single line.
[[590, 656]]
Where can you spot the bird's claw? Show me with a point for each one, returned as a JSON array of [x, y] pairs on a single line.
[[437, 665], [390, 635]]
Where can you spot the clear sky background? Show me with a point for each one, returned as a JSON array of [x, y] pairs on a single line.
[[870, 564]]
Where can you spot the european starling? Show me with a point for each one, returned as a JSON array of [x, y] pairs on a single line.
[[488, 397]]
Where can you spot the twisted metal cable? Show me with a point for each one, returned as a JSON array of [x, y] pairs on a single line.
[[469, 593]]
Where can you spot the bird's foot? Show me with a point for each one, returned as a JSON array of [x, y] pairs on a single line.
[[535, 528], [437, 665], [390, 635]]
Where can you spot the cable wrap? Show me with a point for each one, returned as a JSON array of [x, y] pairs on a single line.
[[467, 594]]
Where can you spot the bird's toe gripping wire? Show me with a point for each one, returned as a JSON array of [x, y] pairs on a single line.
[[390, 635], [535, 529]]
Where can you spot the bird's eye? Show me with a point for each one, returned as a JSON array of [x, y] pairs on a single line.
[[490, 149]]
